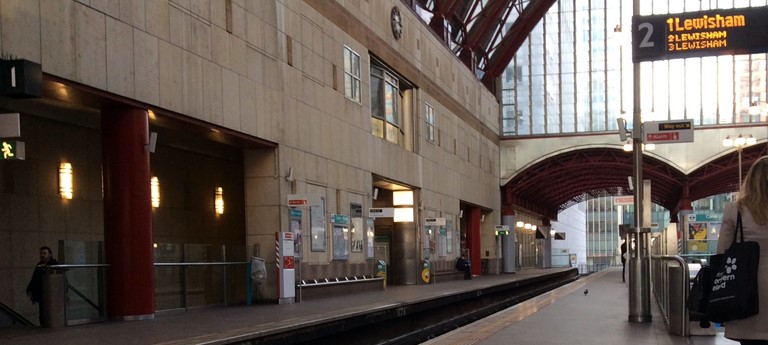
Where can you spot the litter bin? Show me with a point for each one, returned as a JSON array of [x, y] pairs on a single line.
[[53, 306]]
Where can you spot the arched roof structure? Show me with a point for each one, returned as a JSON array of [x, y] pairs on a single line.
[[485, 35], [477, 30], [561, 181]]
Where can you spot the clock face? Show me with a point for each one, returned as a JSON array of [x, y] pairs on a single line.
[[397, 23]]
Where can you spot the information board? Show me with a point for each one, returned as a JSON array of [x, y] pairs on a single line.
[[702, 33]]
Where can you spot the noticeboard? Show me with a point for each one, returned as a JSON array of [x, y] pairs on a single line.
[[701, 33]]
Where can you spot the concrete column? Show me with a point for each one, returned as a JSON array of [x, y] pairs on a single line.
[[473, 239], [546, 247], [508, 243], [127, 214], [406, 264]]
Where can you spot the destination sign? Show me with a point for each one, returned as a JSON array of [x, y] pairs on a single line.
[[702, 33]]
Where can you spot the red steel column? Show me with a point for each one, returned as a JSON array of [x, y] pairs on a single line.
[[127, 214]]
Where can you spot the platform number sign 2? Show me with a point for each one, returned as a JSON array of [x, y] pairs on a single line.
[[646, 41], [645, 36]]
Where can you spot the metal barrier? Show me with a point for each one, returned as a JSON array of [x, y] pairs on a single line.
[[185, 283], [85, 290], [671, 284]]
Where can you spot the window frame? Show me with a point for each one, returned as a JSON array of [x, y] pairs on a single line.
[[389, 121], [352, 82], [429, 118]]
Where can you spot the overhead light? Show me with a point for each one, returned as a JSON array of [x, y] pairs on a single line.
[[66, 186], [527, 226], [728, 141], [519, 224], [751, 140], [740, 141], [534, 227], [552, 232], [402, 198], [628, 145], [219, 200], [403, 214]]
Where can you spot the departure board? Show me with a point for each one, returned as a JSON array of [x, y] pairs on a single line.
[[703, 33]]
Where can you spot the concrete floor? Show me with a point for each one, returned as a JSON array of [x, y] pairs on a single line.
[[567, 316]]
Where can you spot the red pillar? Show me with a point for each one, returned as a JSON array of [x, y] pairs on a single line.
[[127, 214], [473, 239]]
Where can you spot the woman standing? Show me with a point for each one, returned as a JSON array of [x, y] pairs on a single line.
[[753, 205]]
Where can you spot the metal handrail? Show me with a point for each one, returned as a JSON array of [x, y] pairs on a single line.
[[660, 284], [200, 263], [77, 266]]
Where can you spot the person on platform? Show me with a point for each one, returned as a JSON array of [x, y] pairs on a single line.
[[35, 286], [753, 205], [463, 264], [623, 259]]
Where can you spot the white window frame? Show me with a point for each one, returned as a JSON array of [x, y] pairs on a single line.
[[429, 118], [352, 71]]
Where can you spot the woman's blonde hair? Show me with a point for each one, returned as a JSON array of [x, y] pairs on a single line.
[[754, 191]]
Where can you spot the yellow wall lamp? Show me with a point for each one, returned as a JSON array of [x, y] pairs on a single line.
[[66, 185]]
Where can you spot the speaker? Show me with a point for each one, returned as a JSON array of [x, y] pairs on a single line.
[[152, 142]]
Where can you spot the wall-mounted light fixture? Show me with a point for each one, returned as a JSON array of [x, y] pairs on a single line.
[[66, 186], [402, 198], [519, 224], [219, 200], [552, 232], [403, 214], [154, 188], [527, 226]]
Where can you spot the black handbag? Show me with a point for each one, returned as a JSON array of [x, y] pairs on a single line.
[[734, 293], [698, 298]]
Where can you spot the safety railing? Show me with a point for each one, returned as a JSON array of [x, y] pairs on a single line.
[[188, 284], [197, 283], [670, 280], [85, 292]]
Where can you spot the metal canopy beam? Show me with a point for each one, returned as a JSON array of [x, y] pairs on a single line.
[[514, 38]]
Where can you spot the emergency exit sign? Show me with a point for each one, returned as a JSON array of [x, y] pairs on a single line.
[[12, 150]]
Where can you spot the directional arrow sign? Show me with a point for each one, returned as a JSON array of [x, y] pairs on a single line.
[[661, 132]]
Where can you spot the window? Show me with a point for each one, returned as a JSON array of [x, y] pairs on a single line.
[[386, 105], [393, 111], [351, 74], [430, 119]]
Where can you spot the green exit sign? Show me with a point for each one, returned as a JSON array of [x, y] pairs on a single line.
[[12, 150], [502, 232]]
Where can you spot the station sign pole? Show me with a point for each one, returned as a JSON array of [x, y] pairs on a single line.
[[639, 259]]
